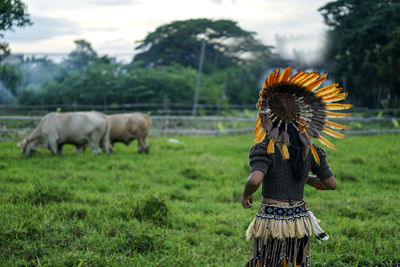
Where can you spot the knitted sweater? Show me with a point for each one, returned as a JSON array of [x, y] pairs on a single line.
[[278, 182]]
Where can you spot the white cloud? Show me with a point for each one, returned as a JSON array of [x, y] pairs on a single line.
[[113, 26]]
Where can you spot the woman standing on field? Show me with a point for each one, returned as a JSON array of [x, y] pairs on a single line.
[[291, 113]]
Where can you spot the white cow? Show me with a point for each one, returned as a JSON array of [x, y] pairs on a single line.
[[77, 128]]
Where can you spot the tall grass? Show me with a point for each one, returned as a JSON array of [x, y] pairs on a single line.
[[180, 205]]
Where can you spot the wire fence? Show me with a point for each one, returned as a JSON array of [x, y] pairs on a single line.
[[15, 127], [153, 108], [163, 109]]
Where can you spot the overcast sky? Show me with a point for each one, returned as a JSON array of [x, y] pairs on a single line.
[[113, 26]]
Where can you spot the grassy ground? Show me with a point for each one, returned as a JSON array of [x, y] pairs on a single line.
[[180, 205]]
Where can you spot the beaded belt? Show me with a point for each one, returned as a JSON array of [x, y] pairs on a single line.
[[282, 213]]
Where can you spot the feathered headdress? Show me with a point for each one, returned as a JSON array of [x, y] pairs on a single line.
[[296, 101]]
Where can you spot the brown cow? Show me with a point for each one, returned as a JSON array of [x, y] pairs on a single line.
[[130, 126], [127, 127]]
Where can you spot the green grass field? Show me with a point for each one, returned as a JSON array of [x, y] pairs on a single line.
[[180, 205]]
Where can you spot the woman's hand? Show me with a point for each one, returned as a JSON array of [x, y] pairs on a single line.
[[247, 201], [253, 182]]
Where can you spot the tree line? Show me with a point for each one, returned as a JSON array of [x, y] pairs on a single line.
[[362, 53]]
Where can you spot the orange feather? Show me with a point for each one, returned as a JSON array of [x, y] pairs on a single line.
[[333, 133], [315, 84], [271, 146], [337, 126], [271, 79], [315, 154], [285, 74], [326, 142], [332, 93], [258, 130], [295, 76], [285, 151], [338, 106], [336, 114], [304, 76], [311, 77], [298, 78], [301, 127], [258, 121], [260, 137], [334, 98], [277, 75], [327, 90], [266, 84]]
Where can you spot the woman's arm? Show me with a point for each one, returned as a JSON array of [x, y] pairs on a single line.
[[327, 184], [251, 186]]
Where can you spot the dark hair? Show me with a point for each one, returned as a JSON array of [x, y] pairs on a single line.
[[296, 149]]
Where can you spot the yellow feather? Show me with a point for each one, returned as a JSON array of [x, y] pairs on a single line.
[[295, 76], [315, 84], [338, 106], [298, 78], [315, 154], [277, 75], [307, 80], [271, 146], [265, 85], [335, 98], [258, 121], [268, 81], [336, 114], [337, 126], [302, 122], [333, 133], [326, 142], [258, 130], [271, 79], [327, 90], [285, 151], [285, 74], [260, 138], [332, 93]]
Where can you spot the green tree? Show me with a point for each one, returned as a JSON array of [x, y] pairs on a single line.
[[363, 42], [36, 74], [82, 56], [11, 77], [180, 42], [12, 14]]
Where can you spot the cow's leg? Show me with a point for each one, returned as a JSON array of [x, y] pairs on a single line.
[[80, 148], [145, 145], [142, 146], [94, 142], [53, 146], [106, 146], [94, 146]]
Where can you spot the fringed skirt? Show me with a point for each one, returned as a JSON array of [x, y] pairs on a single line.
[[282, 235]]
